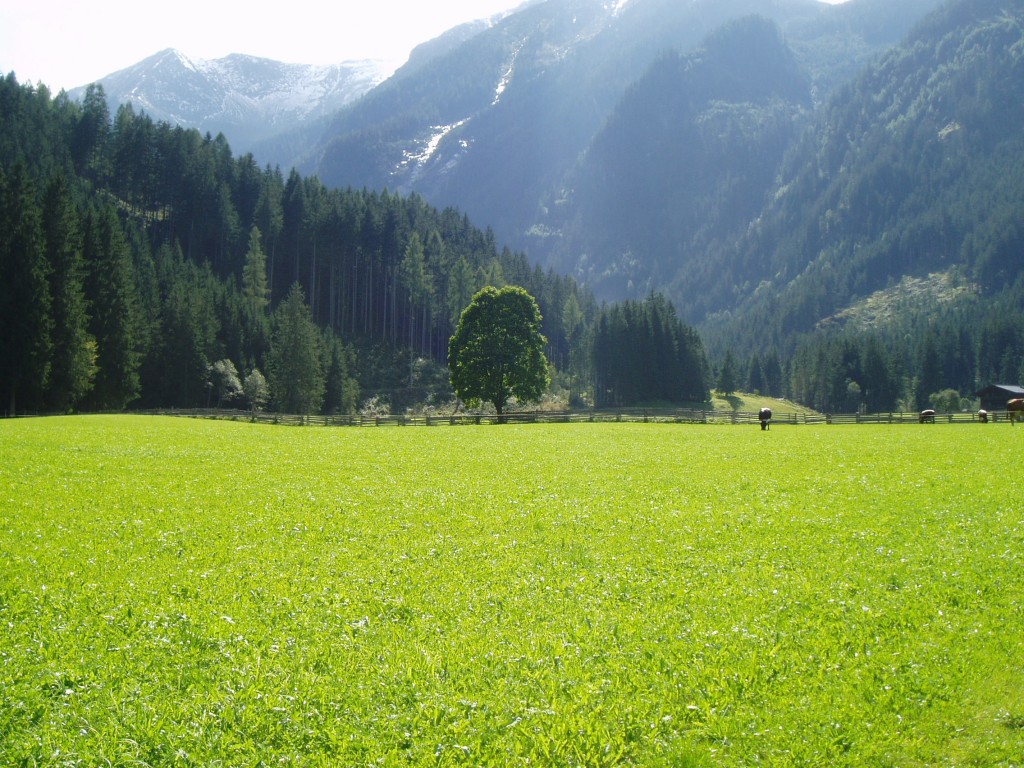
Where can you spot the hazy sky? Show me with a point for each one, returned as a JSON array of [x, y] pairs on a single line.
[[67, 43]]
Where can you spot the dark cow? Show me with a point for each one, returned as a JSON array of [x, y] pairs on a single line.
[[927, 416], [983, 416], [1015, 409], [765, 417]]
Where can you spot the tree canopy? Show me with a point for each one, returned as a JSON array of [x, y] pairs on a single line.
[[643, 353], [137, 254], [497, 351]]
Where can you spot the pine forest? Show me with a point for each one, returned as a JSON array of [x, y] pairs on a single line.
[[148, 267], [860, 253]]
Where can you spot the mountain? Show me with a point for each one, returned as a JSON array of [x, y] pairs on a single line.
[[910, 171], [499, 118], [498, 125], [773, 166], [249, 99], [853, 240], [684, 159]]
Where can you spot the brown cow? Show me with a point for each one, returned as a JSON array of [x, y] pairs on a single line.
[[927, 416], [1015, 409]]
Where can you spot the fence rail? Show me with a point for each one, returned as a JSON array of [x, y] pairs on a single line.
[[667, 416], [915, 418]]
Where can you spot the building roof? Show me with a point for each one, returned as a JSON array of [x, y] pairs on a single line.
[[1014, 390]]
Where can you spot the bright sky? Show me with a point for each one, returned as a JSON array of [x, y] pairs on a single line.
[[68, 43]]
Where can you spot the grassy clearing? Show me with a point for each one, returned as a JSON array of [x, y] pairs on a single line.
[[747, 402], [197, 593]]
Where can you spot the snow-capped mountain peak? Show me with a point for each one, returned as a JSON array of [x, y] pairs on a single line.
[[246, 97]]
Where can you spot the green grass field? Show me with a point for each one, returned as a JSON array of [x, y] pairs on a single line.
[[179, 592]]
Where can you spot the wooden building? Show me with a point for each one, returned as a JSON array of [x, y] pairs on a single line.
[[995, 396]]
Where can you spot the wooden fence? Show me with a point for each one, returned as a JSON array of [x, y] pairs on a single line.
[[667, 416], [909, 418]]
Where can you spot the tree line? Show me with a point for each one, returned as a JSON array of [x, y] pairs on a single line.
[[908, 170], [147, 266]]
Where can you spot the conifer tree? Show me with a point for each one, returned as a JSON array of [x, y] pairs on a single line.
[[74, 348], [341, 390], [727, 375], [270, 219], [91, 135], [755, 375], [186, 334], [929, 368], [772, 369], [26, 322], [881, 388], [254, 275], [110, 289], [296, 367], [573, 323], [642, 352], [460, 289], [419, 288]]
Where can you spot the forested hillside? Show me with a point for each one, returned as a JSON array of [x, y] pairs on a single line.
[[146, 265], [870, 243], [497, 123], [685, 159], [887, 265], [856, 252]]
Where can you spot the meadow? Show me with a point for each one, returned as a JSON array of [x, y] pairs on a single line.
[[179, 592]]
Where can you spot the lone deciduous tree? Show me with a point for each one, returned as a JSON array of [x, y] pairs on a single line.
[[497, 351]]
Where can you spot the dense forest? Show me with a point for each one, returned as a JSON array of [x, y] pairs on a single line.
[[147, 266], [685, 159], [887, 265], [865, 256]]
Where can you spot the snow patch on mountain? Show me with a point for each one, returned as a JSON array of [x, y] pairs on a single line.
[[415, 161], [507, 77], [247, 98]]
